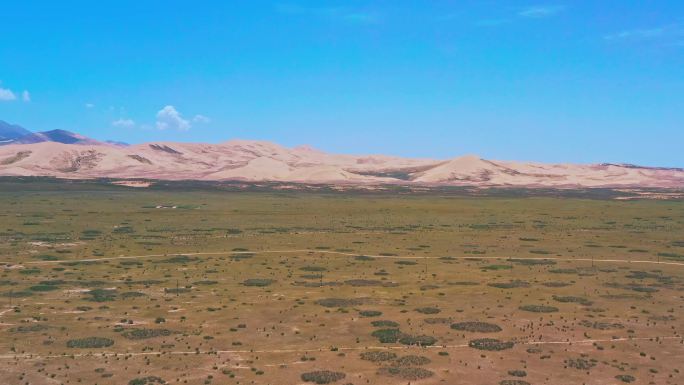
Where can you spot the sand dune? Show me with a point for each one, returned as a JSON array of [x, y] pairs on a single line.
[[265, 161]]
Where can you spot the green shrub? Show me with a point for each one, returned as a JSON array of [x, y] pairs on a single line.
[[428, 310], [43, 288], [602, 325], [497, 267], [384, 324], [378, 356], [556, 284], [534, 262], [420, 340], [123, 230], [322, 376], [29, 328], [258, 282], [580, 363], [370, 313], [387, 336], [625, 378], [340, 302], [141, 334], [101, 295], [539, 308], [509, 285], [412, 360], [513, 382], [149, 380], [47, 257], [364, 282], [490, 344], [90, 343], [573, 299], [406, 373], [671, 256], [539, 252], [517, 373], [477, 327], [178, 259]]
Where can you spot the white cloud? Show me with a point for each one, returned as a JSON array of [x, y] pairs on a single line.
[[541, 11], [89, 105], [201, 119], [26, 96], [169, 118], [6, 94], [123, 123]]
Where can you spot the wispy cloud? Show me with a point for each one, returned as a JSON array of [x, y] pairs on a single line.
[[124, 123], [89, 105], [347, 14], [541, 11], [201, 119], [169, 118], [666, 31], [671, 35], [518, 14], [7, 95]]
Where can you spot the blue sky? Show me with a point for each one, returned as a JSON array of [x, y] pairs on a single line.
[[580, 81]]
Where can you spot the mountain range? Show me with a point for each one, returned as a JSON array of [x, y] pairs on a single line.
[[15, 134], [64, 154]]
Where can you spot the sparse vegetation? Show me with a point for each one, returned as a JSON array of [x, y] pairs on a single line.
[[259, 282], [141, 334], [149, 380], [378, 356], [90, 343], [114, 290], [404, 373], [539, 308], [323, 376], [490, 344], [477, 327]]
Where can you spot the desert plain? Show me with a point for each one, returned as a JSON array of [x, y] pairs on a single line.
[[106, 284]]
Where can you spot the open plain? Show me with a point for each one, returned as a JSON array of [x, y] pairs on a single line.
[[105, 284]]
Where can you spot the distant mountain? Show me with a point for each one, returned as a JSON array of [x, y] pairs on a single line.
[[59, 136], [68, 155], [10, 132], [15, 134], [117, 143]]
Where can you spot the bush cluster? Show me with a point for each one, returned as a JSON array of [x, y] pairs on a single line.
[[476, 327], [322, 376], [90, 342], [490, 344]]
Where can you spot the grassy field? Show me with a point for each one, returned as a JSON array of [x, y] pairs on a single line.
[[111, 285]]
